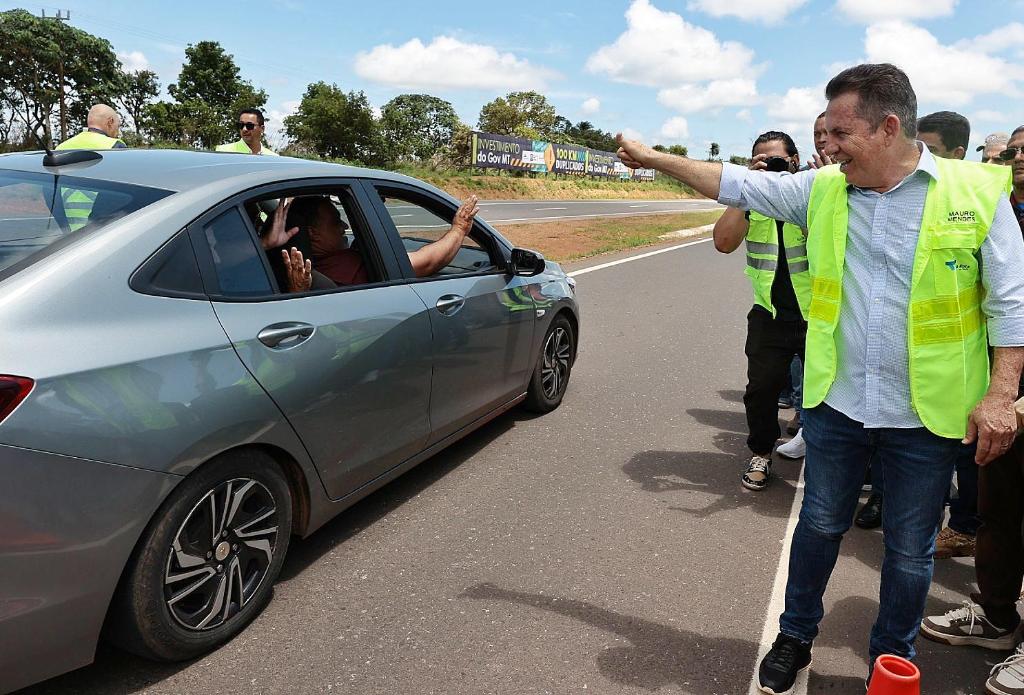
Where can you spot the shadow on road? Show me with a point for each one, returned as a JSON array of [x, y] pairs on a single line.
[[658, 655], [731, 395], [728, 420]]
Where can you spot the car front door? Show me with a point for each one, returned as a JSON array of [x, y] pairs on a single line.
[[349, 367], [481, 316]]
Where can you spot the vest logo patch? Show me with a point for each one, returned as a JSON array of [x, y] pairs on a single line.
[[960, 216], [953, 265]]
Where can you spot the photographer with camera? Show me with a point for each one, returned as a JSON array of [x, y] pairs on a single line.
[[776, 329]]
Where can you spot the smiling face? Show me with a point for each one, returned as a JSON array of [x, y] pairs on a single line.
[[820, 135], [858, 146], [251, 137]]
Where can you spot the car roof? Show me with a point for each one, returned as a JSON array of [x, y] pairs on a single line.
[[182, 170]]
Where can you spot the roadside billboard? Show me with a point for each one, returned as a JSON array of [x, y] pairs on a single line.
[[492, 151]]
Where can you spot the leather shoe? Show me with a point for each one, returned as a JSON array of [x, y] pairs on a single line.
[[870, 515]]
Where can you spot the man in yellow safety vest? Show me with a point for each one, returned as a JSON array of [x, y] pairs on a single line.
[[103, 126], [916, 267], [251, 126]]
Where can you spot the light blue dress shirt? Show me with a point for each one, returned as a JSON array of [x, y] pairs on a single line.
[[872, 383]]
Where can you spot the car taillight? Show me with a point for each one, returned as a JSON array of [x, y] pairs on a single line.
[[13, 390]]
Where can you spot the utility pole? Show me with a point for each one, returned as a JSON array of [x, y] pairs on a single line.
[[65, 17]]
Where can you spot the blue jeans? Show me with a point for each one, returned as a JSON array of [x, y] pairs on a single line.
[[917, 466], [796, 379]]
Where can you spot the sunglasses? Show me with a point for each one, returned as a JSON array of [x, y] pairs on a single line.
[[1009, 153], [245, 126]]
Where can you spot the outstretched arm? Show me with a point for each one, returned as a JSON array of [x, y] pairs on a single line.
[[730, 230], [430, 258], [703, 177]]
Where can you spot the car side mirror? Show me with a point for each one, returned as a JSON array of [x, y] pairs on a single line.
[[527, 263]]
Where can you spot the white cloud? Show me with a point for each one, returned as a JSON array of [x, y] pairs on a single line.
[[880, 10], [997, 40], [675, 128], [690, 98], [133, 60], [949, 76], [988, 116], [799, 105], [661, 49], [631, 134], [275, 135], [767, 11], [744, 115], [591, 105], [448, 63]]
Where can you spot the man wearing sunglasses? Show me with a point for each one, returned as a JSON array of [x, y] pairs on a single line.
[[994, 144], [1013, 155], [251, 127]]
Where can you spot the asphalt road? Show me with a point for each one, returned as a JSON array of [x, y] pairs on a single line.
[[607, 547]]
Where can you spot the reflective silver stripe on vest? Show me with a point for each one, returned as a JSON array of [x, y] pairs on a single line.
[[760, 247], [762, 263], [799, 266], [796, 251]]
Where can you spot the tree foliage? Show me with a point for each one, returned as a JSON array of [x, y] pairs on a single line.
[[417, 125], [523, 114], [138, 90], [32, 50], [209, 94], [713, 151], [332, 123]]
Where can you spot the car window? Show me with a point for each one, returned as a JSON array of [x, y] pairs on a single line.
[[39, 211], [236, 258], [331, 234], [419, 225]]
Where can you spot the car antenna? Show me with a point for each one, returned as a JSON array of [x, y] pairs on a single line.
[[56, 159]]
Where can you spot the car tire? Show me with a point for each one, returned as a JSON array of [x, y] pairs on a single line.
[[206, 564], [554, 366]]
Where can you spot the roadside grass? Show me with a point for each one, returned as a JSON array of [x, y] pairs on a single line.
[[569, 240]]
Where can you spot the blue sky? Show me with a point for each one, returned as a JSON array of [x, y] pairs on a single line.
[[670, 71]]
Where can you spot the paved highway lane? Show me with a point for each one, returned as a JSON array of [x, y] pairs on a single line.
[[607, 547], [506, 211]]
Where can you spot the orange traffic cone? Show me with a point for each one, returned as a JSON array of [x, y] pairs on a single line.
[[894, 675]]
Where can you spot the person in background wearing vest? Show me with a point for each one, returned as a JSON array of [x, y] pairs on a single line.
[[776, 330], [916, 266], [103, 128], [990, 618], [251, 127], [946, 134]]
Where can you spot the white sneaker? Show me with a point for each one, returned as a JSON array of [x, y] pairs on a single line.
[[795, 448], [1007, 678]]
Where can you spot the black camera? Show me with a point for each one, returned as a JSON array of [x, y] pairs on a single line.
[[777, 164]]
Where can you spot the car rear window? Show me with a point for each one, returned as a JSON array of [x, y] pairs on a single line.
[[38, 212]]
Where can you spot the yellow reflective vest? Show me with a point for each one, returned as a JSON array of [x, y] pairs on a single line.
[[241, 147], [946, 332], [78, 203], [762, 244]]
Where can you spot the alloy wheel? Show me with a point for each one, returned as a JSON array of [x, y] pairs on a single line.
[[221, 554], [555, 368]]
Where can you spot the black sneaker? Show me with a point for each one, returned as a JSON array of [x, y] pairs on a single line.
[[870, 515], [779, 667], [758, 473]]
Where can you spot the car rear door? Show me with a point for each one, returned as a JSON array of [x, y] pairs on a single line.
[[350, 368], [482, 317]]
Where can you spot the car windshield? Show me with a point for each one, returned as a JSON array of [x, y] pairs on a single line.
[[40, 211]]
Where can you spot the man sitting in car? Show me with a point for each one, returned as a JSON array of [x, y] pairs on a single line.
[[333, 257]]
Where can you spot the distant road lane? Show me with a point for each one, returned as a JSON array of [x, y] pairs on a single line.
[[526, 211]]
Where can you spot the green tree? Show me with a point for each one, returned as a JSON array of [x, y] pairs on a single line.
[[210, 92], [523, 114], [713, 151], [138, 90], [737, 159], [417, 125], [32, 51], [678, 150], [332, 123]]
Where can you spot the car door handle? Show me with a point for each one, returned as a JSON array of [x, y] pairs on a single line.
[[285, 335], [449, 304]]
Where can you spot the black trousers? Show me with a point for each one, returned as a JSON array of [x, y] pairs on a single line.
[[770, 347], [999, 549]]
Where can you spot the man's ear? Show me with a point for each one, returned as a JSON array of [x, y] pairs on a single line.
[[891, 126], [959, 152]]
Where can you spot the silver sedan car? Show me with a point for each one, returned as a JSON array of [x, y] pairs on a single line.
[[173, 410]]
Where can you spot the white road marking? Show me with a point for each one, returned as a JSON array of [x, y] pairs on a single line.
[[551, 208], [682, 201], [602, 266], [639, 206], [778, 599]]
